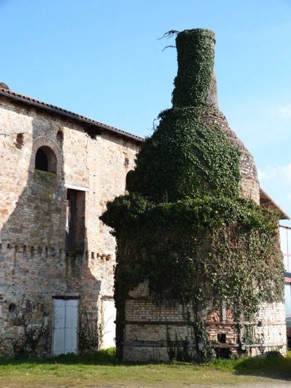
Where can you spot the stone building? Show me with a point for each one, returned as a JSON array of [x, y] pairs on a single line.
[[57, 172]]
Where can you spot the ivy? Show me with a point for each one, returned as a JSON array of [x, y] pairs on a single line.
[[184, 158], [183, 225], [199, 249], [195, 67]]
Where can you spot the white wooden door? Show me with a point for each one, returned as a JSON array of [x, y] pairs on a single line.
[[65, 335], [108, 324]]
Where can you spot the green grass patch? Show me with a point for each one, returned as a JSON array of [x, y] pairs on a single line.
[[101, 370]]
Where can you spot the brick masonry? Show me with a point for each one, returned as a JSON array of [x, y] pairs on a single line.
[[152, 330]]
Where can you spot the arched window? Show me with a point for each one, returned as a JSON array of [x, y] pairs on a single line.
[[129, 180], [45, 159]]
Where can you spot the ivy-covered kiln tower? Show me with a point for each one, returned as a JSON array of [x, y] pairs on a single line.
[[199, 270]]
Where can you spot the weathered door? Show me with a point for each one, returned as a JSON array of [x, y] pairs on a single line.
[[65, 333]]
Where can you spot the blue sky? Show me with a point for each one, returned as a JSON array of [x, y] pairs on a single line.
[[103, 59]]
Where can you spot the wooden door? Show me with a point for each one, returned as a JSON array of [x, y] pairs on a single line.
[[65, 329]]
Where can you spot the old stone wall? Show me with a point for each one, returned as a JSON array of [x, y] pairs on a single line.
[[36, 264]]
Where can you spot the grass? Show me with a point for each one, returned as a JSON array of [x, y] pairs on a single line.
[[100, 370]]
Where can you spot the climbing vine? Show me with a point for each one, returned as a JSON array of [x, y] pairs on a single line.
[[195, 67], [184, 226], [184, 158], [202, 249]]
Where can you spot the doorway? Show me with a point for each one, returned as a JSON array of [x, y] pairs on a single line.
[[65, 328]]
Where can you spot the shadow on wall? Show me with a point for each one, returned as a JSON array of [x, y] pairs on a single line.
[[48, 296]]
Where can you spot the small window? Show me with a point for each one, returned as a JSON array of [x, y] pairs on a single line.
[[75, 221], [45, 159], [129, 180], [221, 338], [12, 308], [19, 141]]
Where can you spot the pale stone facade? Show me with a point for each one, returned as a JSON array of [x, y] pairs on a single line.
[[44, 254]]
